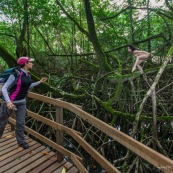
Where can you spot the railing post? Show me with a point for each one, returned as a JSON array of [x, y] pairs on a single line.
[[59, 134]]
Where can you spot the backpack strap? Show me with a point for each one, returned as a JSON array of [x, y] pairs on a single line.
[[17, 74]]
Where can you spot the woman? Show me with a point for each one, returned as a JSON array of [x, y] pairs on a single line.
[[141, 56], [15, 99]]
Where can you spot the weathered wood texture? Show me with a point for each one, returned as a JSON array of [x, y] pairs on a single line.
[[153, 157], [37, 158]]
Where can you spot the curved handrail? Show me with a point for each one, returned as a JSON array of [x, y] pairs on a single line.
[[97, 156], [148, 154]]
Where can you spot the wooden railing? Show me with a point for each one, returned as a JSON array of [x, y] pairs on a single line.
[[158, 160]]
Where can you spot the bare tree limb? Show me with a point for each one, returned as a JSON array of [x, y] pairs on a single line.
[[152, 88], [168, 5], [72, 19]]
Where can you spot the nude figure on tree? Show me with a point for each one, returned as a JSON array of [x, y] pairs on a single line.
[[140, 56]]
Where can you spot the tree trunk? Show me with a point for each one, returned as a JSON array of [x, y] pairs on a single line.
[[94, 39], [9, 59], [21, 50]]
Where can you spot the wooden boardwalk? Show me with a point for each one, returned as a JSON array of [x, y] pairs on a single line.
[[37, 158]]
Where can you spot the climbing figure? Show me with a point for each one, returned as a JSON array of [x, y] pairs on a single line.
[[140, 56]]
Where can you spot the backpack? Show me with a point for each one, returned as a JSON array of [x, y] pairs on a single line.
[[5, 75]]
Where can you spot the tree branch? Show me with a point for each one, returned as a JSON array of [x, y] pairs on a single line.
[[45, 40], [160, 35], [72, 19], [9, 35], [157, 11], [168, 5], [152, 88]]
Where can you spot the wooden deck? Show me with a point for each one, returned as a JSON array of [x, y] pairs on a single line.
[[37, 158]]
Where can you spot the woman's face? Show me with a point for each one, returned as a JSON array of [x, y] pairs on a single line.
[[129, 49], [29, 65]]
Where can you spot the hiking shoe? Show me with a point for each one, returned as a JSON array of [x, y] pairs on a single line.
[[24, 145]]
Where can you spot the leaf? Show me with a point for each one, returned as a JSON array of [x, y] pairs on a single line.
[[30, 152], [45, 153], [17, 158], [63, 170]]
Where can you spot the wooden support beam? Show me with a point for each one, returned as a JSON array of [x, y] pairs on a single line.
[[153, 157], [96, 155], [79, 164], [59, 133]]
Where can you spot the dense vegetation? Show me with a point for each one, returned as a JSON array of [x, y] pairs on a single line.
[[81, 46]]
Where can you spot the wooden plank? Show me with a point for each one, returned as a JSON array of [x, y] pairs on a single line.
[[6, 142], [48, 163], [5, 139], [6, 136], [19, 159], [47, 141], [18, 149], [79, 165], [8, 133], [59, 169], [9, 149], [26, 159], [54, 167], [59, 133], [7, 128], [73, 170], [68, 166], [14, 147], [33, 145], [9, 142], [8, 145], [37, 162]]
